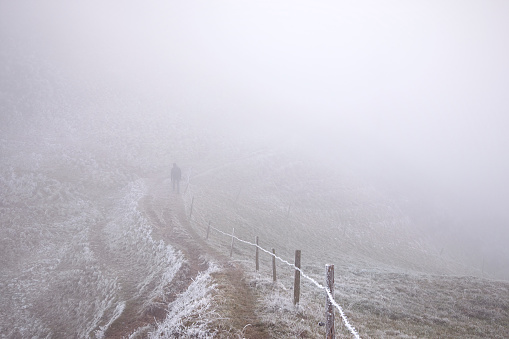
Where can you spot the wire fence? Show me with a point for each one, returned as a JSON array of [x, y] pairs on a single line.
[[347, 324]]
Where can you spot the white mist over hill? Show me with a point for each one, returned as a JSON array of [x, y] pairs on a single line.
[[382, 126], [409, 96]]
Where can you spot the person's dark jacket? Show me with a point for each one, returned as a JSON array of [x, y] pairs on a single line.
[[176, 173]]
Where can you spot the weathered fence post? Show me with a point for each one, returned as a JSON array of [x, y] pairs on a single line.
[[191, 211], [482, 267], [208, 231], [238, 195], [256, 256], [231, 247], [296, 284], [329, 309], [274, 265]]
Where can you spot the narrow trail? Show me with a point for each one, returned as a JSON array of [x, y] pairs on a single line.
[[166, 212]]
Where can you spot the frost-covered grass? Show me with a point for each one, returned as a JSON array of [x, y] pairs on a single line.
[[148, 266], [76, 251], [381, 304], [63, 274], [282, 318], [51, 280], [322, 213], [424, 305], [75, 248], [191, 314]]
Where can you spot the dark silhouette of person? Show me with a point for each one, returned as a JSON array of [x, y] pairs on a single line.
[[176, 175]]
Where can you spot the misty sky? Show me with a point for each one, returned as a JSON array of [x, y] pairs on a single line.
[[406, 89]]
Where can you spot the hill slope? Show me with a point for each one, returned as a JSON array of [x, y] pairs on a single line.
[[390, 281], [81, 184]]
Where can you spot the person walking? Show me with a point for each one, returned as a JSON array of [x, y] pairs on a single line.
[[176, 175]]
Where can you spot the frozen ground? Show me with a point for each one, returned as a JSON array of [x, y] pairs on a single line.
[[83, 244]]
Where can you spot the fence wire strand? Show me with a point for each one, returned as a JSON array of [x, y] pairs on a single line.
[[317, 284]]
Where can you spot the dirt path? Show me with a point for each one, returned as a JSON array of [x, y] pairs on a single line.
[[166, 213]]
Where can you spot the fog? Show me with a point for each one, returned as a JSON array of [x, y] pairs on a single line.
[[410, 95]]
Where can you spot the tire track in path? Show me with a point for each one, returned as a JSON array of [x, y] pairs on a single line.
[[161, 209], [234, 300], [237, 301]]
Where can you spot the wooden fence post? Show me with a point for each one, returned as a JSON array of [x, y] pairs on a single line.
[[231, 247], [257, 262], [296, 284], [482, 267], [208, 231], [191, 211], [329, 309], [274, 265], [238, 195]]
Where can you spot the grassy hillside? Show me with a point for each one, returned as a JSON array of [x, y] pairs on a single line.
[[390, 280], [328, 213]]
